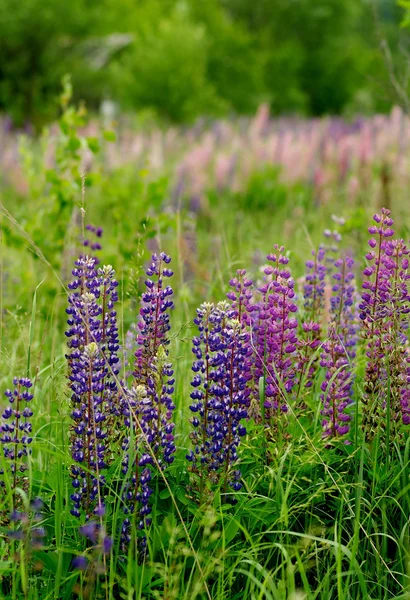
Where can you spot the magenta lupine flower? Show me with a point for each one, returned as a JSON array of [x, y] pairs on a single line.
[[384, 309], [93, 367], [16, 433], [397, 347], [275, 335], [220, 396]]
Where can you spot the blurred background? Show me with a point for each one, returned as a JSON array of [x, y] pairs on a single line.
[[180, 59], [210, 129]]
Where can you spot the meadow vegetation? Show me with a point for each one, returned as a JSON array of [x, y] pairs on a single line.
[[191, 409]]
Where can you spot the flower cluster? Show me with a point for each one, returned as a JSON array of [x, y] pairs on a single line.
[[220, 396], [338, 352], [93, 367], [383, 311], [154, 316], [101, 544], [241, 296], [16, 432], [138, 416], [148, 406], [274, 328]]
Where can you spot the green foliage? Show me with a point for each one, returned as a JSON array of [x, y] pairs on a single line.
[[317, 522], [166, 69], [184, 58], [56, 176]]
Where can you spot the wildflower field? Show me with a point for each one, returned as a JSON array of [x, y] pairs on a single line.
[[205, 361]]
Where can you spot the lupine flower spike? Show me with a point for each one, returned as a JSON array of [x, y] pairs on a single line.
[[220, 396], [276, 341], [92, 360], [338, 352], [16, 434], [384, 309], [148, 406]]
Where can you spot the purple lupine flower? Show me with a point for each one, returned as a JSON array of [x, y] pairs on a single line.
[[275, 337], [93, 367], [80, 563], [241, 296], [109, 344], [220, 396], [15, 431], [338, 351], [332, 243], [397, 347], [384, 309], [152, 369], [148, 407], [154, 316], [136, 466]]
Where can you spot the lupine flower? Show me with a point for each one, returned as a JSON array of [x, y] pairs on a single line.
[[154, 316], [338, 351], [241, 296], [384, 309], [139, 415], [93, 344], [220, 396], [310, 332], [16, 432], [152, 369], [148, 407], [275, 337]]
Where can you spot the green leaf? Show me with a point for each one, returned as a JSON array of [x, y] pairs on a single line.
[[93, 144], [164, 494], [109, 136]]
